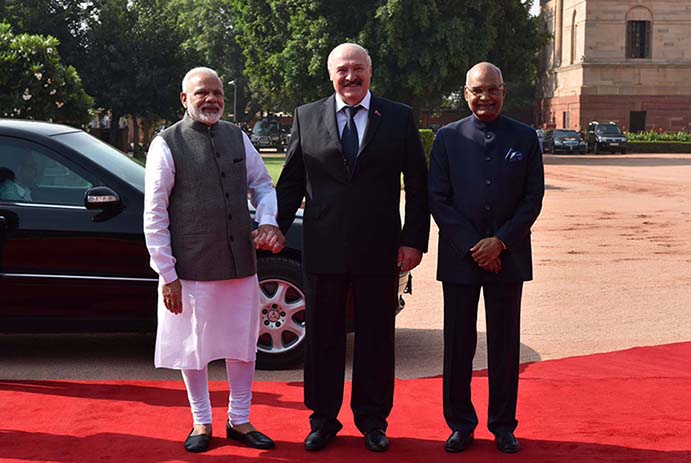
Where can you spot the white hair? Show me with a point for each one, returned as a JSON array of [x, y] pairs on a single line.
[[194, 71], [481, 65], [348, 44]]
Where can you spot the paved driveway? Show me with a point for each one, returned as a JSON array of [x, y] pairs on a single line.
[[612, 253]]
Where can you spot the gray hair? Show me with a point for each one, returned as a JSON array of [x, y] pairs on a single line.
[[483, 64], [348, 44], [194, 71]]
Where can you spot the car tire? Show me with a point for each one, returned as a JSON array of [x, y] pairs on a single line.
[[623, 151], [281, 313]]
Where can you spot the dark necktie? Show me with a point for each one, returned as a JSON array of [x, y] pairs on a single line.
[[349, 138]]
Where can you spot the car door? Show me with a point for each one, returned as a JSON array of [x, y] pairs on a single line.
[[63, 266]]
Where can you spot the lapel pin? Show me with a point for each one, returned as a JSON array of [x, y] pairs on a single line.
[[377, 113]]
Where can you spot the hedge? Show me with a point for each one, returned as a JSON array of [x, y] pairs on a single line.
[[427, 137], [659, 147], [659, 136]]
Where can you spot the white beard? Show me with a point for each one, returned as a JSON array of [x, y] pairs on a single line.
[[205, 117]]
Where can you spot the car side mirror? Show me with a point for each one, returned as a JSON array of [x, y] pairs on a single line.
[[102, 198]]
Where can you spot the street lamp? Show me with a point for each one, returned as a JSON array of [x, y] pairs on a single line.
[[235, 100]]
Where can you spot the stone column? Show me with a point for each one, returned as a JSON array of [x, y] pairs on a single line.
[[558, 29]]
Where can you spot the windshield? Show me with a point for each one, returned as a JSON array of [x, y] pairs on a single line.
[[265, 127], [106, 156], [607, 130], [565, 134]]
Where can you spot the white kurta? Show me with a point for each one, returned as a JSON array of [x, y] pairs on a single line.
[[219, 319]]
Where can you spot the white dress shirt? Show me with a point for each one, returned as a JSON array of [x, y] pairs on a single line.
[[360, 117]]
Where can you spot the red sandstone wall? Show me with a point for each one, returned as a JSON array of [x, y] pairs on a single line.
[[669, 113]]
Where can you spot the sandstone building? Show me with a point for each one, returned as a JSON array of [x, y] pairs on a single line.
[[627, 61]]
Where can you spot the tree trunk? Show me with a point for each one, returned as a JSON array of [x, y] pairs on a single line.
[[113, 133]]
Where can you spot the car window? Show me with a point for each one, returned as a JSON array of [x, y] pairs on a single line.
[[265, 127], [566, 134], [29, 173], [106, 156], [607, 130]]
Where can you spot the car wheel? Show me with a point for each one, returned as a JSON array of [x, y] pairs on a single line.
[[281, 314], [623, 151]]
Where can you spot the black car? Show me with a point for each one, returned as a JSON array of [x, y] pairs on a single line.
[[72, 250], [563, 141], [267, 133], [605, 136]]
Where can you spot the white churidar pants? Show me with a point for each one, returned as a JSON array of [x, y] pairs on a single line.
[[240, 377]]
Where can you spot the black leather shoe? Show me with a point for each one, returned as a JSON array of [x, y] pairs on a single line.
[[254, 439], [319, 438], [376, 441], [507, 442], [198, 443], [458, 441]]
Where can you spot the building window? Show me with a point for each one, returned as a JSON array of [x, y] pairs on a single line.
[[565, 119], [637, 121], [638, 39]]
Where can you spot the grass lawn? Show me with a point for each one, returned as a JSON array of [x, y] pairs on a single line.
[[274, 166]]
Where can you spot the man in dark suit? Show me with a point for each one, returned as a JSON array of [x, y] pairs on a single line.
[[486, 186], [345, 158]]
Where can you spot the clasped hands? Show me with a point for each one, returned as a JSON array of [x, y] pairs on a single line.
[[408, 258], [486, 254], [265, 237], [268, 238]]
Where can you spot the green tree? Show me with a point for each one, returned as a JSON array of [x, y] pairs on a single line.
[[35, 85], [62, 19], [285, 46], [516, 50], [133, 64], [210, 40], [421, 49], [159, 61]]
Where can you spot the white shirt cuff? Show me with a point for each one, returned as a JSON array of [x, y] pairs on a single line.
[[267, 220]]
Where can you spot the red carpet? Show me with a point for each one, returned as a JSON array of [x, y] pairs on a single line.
[[629, 406]]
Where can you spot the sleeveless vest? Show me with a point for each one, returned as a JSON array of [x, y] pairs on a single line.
[[210, 224]]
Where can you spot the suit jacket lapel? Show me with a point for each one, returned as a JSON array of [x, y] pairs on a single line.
[[329, 109], [336, 163], [373, 120]]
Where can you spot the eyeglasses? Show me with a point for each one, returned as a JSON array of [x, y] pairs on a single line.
[[491, 91]]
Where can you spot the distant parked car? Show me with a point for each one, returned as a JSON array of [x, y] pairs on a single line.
[[267, 133], [605, 136], [72, 251], [563, 141]]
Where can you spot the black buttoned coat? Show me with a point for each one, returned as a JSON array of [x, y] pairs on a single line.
[[486, 179]]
